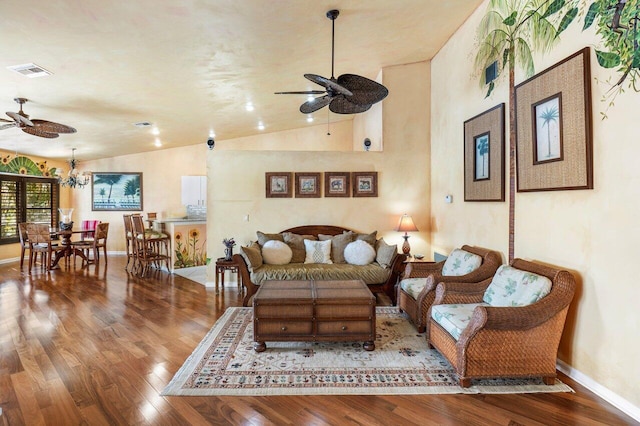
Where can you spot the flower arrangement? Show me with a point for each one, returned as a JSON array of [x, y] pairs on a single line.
[[229, 242]]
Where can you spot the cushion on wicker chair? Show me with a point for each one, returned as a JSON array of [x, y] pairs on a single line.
[[461, 262], [454, 318], [513, 287], [413, 286]]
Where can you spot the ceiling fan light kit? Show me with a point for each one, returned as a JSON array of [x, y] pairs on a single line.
[[41, 128], [348, 94]]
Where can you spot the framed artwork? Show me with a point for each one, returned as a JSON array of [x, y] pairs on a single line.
[[337, 184], [554, 129], [111, 191], [278, 184], [484, 159], [307, 185], [365, 184]]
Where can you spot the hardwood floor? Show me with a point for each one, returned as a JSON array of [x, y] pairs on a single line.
[[96, 346]]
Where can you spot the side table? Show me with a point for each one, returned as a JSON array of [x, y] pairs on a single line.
[[222, 266]]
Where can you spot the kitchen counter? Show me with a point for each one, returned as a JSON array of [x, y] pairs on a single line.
[[181, 220], [188, 241]]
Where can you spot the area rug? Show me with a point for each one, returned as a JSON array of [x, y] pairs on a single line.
[[224, 363]]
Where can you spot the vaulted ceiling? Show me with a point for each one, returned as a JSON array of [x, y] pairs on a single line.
[[190, 67]]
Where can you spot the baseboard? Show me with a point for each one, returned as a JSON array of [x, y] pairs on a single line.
[[13, 259], [611, 397]]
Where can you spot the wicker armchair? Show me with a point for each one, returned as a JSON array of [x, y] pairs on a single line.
[[417, 307], [505, 341]]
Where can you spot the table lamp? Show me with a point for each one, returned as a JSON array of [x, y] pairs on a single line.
[[406, 225]]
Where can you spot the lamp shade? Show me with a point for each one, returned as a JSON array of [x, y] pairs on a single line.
[[406, 224]]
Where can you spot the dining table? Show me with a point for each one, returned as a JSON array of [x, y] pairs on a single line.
[[65, 235]]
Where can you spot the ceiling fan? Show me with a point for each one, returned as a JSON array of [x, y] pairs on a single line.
[[348, 94], [42, 128]]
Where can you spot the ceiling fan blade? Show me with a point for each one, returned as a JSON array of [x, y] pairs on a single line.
[[306, 92], [342, 105], [51, 127], [365, 91], [38, 132], [6, 126], [19, 118], [315, 104], [329, 84]]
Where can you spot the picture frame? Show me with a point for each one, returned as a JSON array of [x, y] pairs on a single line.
[[365, 184], [484, 159], [278, 184], [554, 127], [337, 184], [116, 191], [308, 185]]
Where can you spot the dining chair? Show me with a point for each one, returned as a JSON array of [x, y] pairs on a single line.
[[129, 244], [99, 241], [40, 240], [89, 226], [24, 241], [148, 247]]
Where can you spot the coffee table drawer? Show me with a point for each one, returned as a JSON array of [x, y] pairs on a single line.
[[343, 311], [344, 328], [283, 328], [284, 311]]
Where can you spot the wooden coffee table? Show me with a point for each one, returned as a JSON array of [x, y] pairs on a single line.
[[311, 311]]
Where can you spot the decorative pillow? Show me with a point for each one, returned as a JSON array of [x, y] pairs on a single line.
[[317, 251], [513, 287], [338, 244], [359, 253], [296, 243], [263, 238], [385, 253], [461, 262], [252, 256], [276, 252], [370, 238]]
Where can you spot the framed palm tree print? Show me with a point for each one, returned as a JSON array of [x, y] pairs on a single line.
[[112, 191]]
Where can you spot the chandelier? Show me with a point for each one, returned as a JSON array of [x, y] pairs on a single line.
[[75, 178]]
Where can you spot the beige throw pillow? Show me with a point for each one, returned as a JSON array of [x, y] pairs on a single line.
[[318, 251], [263, 238], [385, 253], [338, 244], [296, 243], [370, 238], [252, 256]]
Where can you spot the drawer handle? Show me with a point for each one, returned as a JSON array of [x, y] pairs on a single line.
[[344, 327], [283, 328]]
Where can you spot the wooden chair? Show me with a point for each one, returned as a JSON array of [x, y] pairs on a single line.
[[415, 296], [497, 337], [99, 241], [89, 226], [24, 241], [128, 235], [40, 242], [148, 247]]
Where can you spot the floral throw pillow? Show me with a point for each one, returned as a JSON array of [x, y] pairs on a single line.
[[461, 262], [513, 287]]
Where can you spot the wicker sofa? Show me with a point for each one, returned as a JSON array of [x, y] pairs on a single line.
[[379, 279], [513, 333]]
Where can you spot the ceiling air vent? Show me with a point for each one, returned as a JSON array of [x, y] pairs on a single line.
[[30, 70], [142, 124]]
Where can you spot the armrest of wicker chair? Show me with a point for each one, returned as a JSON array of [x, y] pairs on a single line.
[[460, 292]]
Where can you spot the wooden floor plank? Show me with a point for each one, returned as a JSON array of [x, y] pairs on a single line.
[[97, 345]]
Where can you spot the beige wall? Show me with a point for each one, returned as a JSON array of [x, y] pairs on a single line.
[[590, 232], [237, 178], [12, 251]]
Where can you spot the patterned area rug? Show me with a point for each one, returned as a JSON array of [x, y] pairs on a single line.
[[224, 363]]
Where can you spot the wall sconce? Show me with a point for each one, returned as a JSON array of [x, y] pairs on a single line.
[[406, 225]]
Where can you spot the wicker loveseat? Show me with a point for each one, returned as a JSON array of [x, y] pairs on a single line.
[[505, 326], [379, 278], [417, 289]]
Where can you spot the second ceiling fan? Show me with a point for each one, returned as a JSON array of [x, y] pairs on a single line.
[[348, 94]]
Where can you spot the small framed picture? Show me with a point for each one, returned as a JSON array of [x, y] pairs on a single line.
[[337, 184], [365, 184], [547, 129], [481, 157], [307, 185], [278, 184]]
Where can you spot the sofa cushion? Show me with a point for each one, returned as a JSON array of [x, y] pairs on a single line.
[[370, 274], [385, 253], [276, 252], [413, 286], [359, 253], [252, 256], [370, 238], [513, 287], [338, 244], [461, 262], [317, 251], [453, 318], [296, 243], [263, 238]]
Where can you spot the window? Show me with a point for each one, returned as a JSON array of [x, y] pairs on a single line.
[[26, 199]]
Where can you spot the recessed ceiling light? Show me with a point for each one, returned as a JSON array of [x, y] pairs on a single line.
[[158, 142], [212, 134], [249, 106], [155, 131], [30, 70], [260, 125], [309, 118]]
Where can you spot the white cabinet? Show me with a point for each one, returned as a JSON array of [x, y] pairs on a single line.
[[194, 190]]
